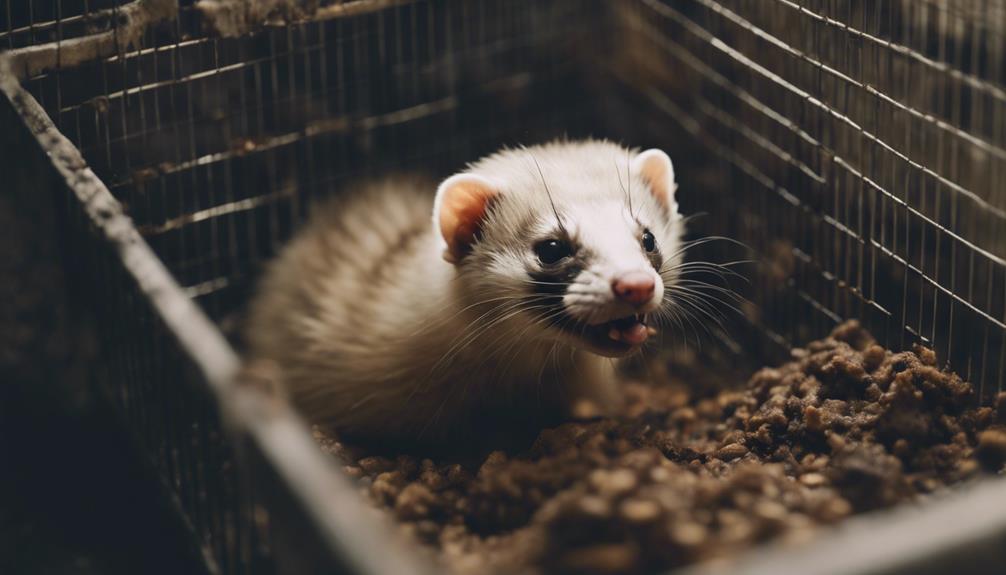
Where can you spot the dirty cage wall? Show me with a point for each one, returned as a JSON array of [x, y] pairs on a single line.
[[857, 148]]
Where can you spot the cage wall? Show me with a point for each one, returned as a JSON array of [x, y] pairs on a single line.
[[216, 146], [856, 147]]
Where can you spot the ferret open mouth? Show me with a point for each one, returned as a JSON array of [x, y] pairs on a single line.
[[630, 329], [617, 336]]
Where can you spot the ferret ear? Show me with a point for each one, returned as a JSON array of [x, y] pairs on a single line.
[[459, 210], [655, 168]]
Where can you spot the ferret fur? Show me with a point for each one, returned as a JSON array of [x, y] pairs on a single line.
[[375, 333]]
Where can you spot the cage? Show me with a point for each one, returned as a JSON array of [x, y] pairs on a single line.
[[171, 146]]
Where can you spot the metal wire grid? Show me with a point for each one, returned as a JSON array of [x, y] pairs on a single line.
[[171, 413], [32, 23], [858, 147], [166, 402], [215, 147]]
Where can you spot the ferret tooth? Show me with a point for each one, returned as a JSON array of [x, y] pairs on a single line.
[[650, 330], [615, 334]]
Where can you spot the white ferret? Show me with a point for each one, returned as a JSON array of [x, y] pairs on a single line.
[[541, 264]]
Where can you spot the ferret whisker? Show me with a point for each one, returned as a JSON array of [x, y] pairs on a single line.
[[541, 370], [719, 238], [685, 246], [682, 306], [672, 276], [533, 322], [505, 315], [716, 293], [699, 275], [541, 283], [668, 314], [456, 348], [724, 265], [684, 221], [714, 304], [703, 308], [699, 311], [514, 341], [703, 276], [628, 177], [363, 400], [676, 278], [676, 317], [541, 312], [689, 317], [510, 299], [477, 292], [446, 320], [628, 198], [666, 317], [706, 302], [530, 298], [691, 268], [680, 312], [473, 330], [551, 201], [689, 244], [726, 268], [440, 409], [700, 290]]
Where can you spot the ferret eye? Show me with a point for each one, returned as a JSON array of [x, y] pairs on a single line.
[[551, 251], [649, 242]]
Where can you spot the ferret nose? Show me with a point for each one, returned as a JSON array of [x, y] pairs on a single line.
[[633, 287]]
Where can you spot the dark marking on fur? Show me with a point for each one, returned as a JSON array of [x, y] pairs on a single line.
[[656, 259], [553, 281]]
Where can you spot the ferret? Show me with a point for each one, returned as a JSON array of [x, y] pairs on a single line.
[[542, 265]]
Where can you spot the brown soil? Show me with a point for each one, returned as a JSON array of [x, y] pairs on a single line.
[[846, 427]]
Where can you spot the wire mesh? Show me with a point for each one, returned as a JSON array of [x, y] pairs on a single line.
[[217, 145], [857, 147], [166, 400], [31, 23], [216, 148]]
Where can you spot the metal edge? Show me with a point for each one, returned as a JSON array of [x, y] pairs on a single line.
[[233, 18], [960, 531], [349, 527], [135, 18]]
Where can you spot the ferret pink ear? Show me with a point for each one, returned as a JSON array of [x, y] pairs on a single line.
[[459, 210], [655, 168]]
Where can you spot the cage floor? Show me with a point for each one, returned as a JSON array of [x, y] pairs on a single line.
[[697, 466]]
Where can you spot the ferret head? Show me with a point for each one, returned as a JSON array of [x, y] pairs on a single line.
[[575, 242]]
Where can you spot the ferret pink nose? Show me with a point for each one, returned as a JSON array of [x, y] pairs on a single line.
[[633, 287]]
